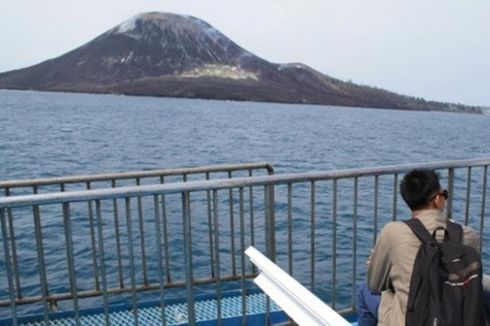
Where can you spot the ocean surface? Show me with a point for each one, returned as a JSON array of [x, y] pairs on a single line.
[[53, 134], [59, 134]]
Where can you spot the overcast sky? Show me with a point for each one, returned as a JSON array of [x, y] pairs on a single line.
[[436, 49]]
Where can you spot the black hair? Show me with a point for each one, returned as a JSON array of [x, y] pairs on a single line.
[[418, 186]]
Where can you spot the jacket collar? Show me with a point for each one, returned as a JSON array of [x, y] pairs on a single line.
[[432, 218]]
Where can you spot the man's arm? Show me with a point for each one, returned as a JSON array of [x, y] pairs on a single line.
[[470, 238], [379, 263]]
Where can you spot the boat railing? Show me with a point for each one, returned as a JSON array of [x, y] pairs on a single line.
[[152, 176], [319, 226], [80, 182]]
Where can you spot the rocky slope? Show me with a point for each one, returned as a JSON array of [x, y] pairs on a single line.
[[162, 54]]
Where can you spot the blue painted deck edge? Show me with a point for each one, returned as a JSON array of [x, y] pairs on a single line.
[[117, 307], [252, 319]]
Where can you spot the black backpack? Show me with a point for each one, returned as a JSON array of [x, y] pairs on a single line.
[[446, 282]]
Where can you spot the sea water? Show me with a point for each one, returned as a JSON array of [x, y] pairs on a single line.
[[59, 134], [54, 134]]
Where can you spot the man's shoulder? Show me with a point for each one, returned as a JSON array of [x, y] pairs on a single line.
[[395, 229], [470, 238], [468, 230], [395, 226]]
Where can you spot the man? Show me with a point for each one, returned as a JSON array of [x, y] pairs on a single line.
[[391, 262]]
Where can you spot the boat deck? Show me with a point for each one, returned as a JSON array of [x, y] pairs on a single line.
[[175, 314]]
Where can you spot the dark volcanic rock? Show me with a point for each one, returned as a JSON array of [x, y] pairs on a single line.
[[162, 54]]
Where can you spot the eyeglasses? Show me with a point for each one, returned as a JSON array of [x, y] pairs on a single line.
[[442, 193]]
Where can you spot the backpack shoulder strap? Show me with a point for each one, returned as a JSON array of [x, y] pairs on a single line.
[[455, 231], [419, 230]]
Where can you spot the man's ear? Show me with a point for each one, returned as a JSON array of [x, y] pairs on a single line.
[[439, 202]]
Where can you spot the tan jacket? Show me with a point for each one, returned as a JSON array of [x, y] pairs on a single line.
[[391, 263]]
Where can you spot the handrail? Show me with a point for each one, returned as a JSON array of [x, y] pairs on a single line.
[[93, 214], [136, 174], [301, 305], [145, 190]]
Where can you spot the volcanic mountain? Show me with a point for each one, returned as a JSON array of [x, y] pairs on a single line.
[[161, 54]]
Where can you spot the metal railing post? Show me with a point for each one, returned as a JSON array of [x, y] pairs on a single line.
[[158, 236], [242, 258], [354, 243], [232, 228], [376, 196], [252, 219], [166, 246], [93, 241], [217, 255], [468, 197], [272, 221], [189, 279], [334, 244], [71, 260], [40, 262], [210, 232], [6, 249], [118, 238], [102, 261], [312, 235], [268, 241], [290, 230], [131, 260], [395, 196], [450, 189], [15, 263], [142, 235], [483, 202]]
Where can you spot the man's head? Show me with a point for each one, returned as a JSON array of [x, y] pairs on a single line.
[[420, 189]]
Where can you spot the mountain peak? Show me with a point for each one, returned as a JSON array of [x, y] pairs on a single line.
[[143, 24], [168, 44]]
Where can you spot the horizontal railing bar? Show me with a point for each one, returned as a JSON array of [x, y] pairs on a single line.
[[138, 288], [346, 311], [178, 187], [136, 174]]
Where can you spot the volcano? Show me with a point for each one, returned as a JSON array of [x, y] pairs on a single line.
[[162, 54]]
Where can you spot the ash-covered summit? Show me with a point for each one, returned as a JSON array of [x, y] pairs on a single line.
[[162, 54], [155, 44]]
